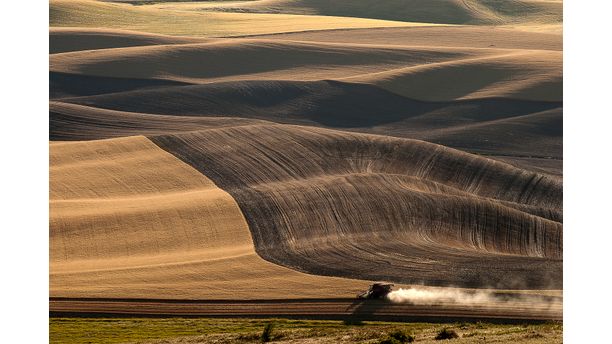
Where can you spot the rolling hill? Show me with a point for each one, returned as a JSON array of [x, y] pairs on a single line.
[[128, 219], [297, 149]]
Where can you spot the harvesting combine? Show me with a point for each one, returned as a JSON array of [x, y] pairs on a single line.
[[376, 291]]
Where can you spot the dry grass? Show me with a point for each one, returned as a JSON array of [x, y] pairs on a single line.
[[234, 331]]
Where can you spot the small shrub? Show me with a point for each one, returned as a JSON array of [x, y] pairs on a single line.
[[266, 335], [397, 337], [401, 336], [480, 325], [352, 322], [446, 334]]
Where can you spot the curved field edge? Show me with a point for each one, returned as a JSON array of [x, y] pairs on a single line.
[[127, 219]]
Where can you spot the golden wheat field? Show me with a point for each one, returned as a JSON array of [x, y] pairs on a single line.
[[278, 153]]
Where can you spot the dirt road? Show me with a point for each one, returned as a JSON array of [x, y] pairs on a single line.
[[504, 311]]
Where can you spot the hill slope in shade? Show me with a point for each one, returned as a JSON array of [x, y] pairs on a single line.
[[233, 58], [504, 126], [130, 220], [407, 61], [411, 71], [333, 203], [63, 39], [71, 122]]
